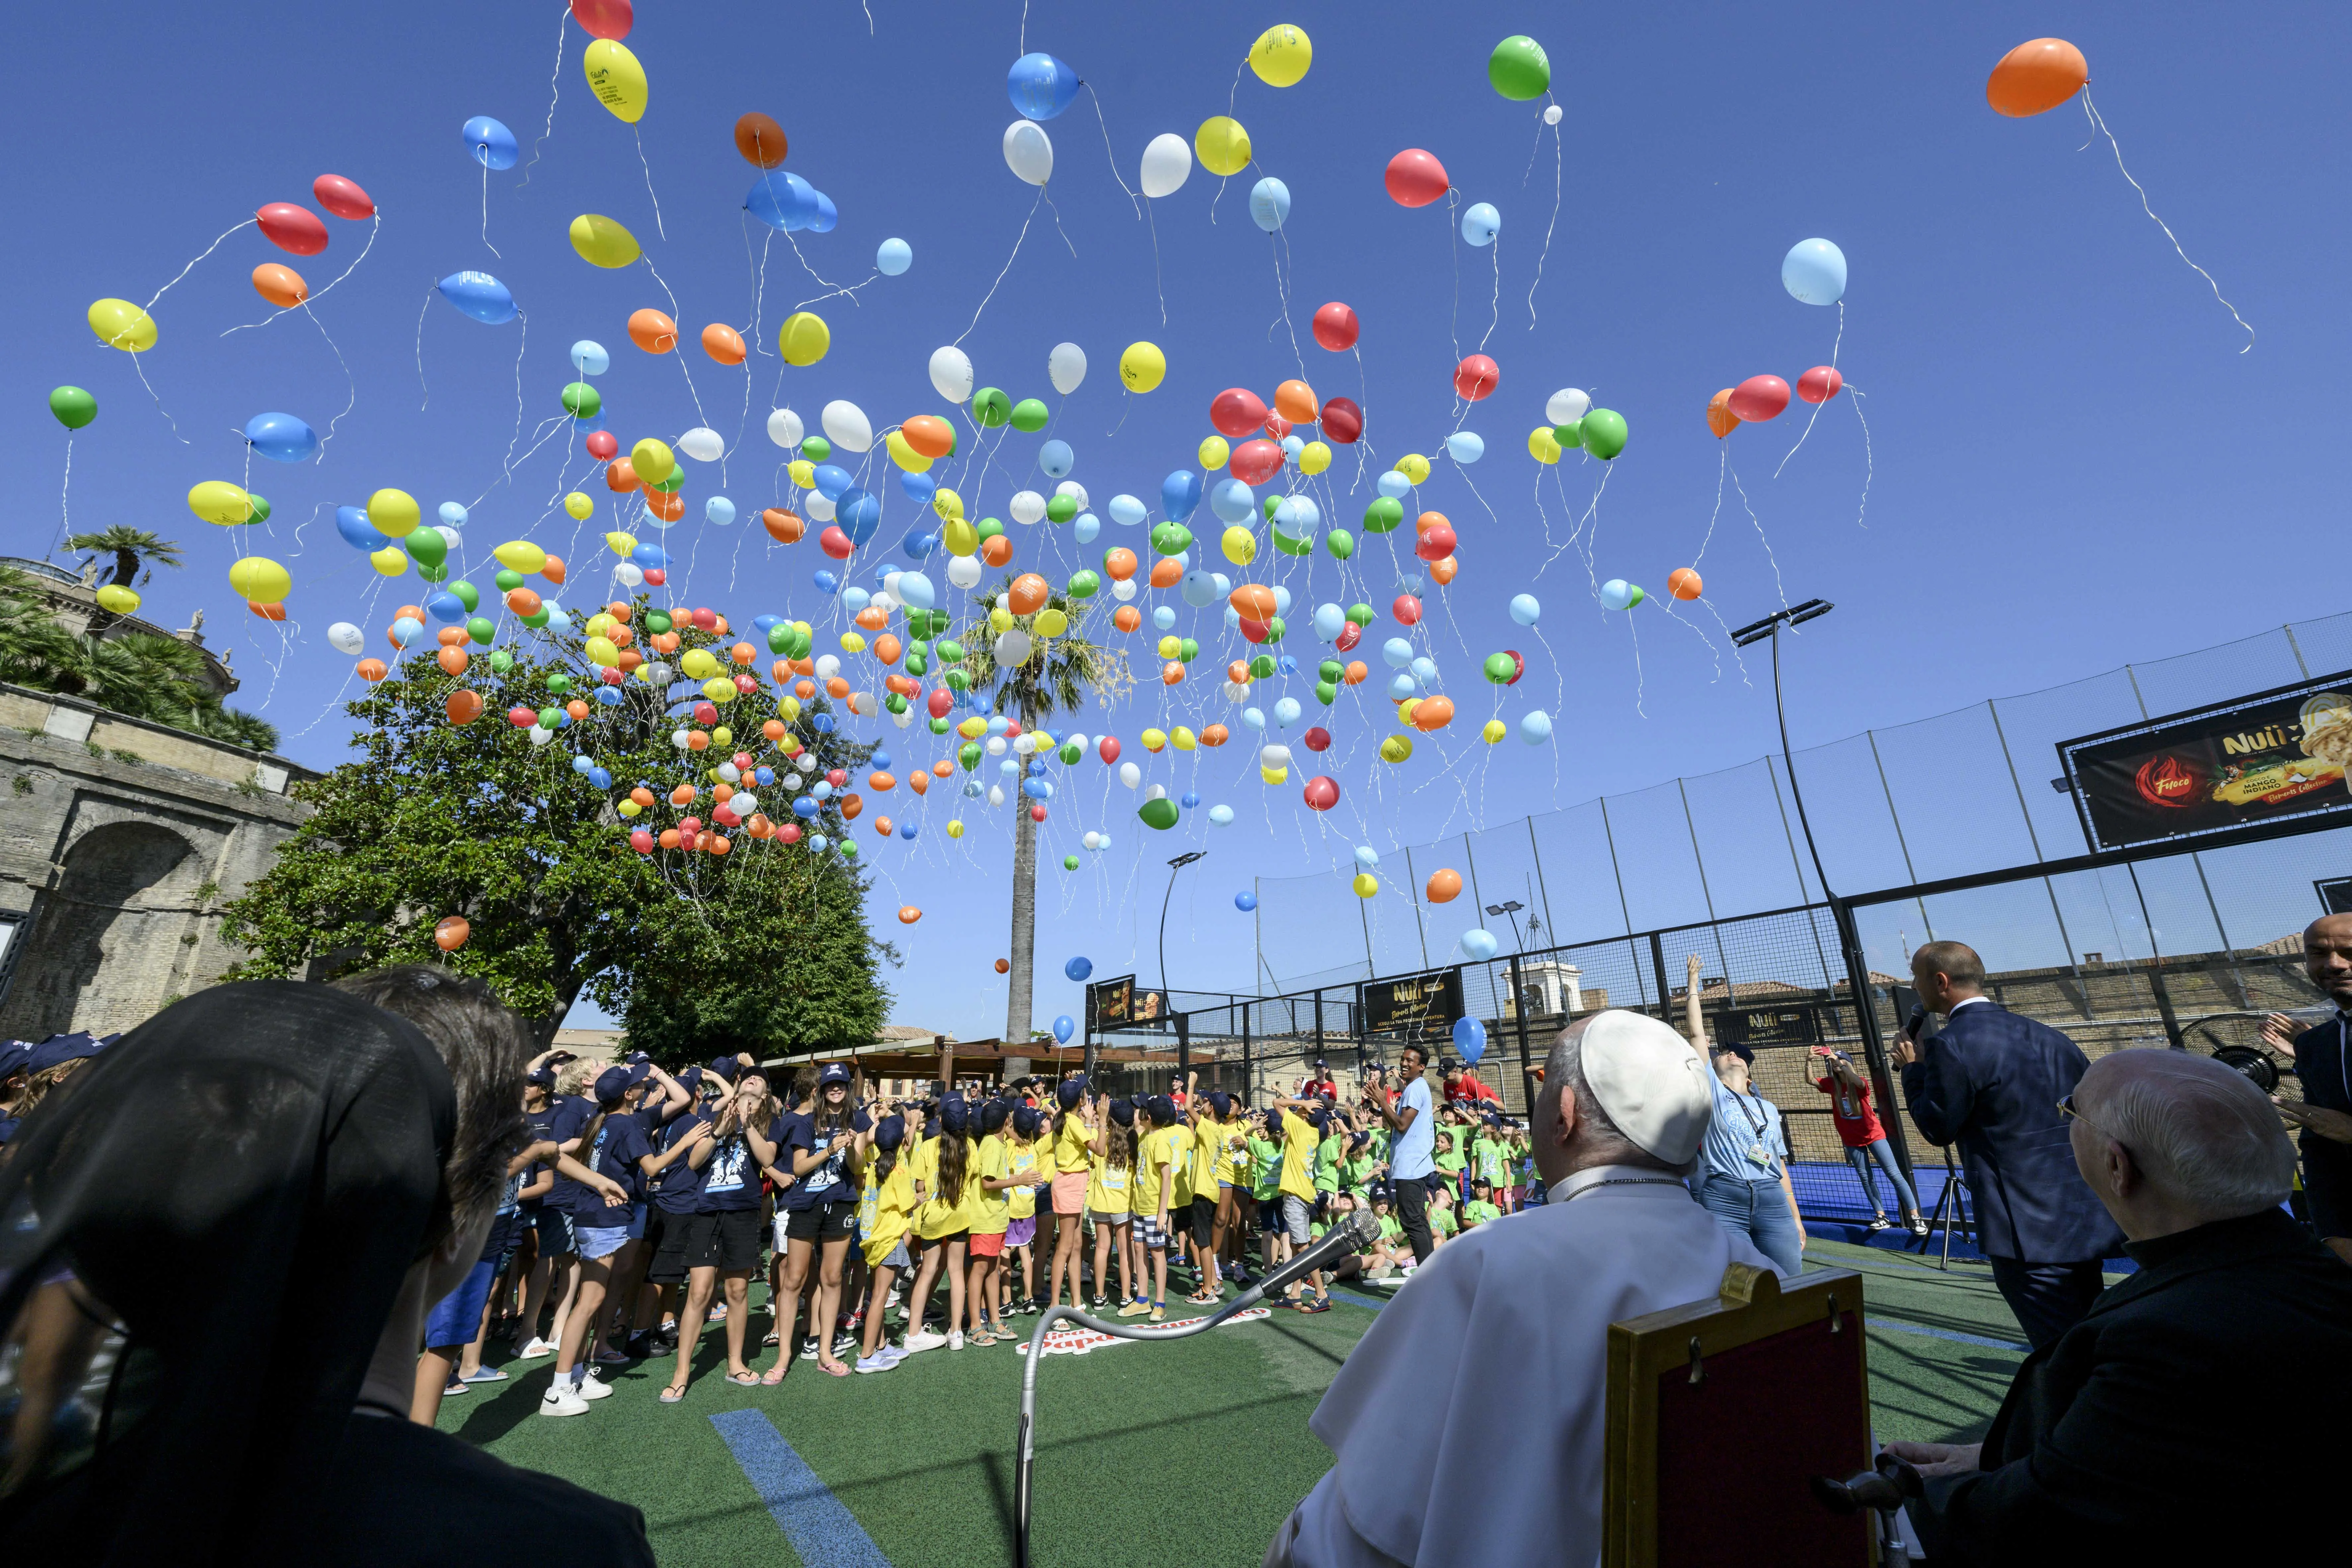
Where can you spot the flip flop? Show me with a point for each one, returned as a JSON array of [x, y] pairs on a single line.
[[775, 1375], [833, 1369], [673, 1395], [744, 1379]]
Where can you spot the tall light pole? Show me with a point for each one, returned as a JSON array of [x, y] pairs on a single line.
[[1759, 631], [1512, 909], [1174, 866]]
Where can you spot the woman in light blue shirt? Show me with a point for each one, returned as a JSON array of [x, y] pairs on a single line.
[[1743, 1174]]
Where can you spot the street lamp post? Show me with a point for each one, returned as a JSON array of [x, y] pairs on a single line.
[[1174, 866], [1512, 909]]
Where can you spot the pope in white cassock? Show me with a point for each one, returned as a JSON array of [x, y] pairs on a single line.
[[1467, 1424]]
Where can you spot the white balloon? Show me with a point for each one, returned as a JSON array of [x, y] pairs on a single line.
[[951, 374], [817, 507], [845, 425], [1024, 742], [1028, 506], [1122, 589], [1274, 757], [828, 666], [1028, 152], [1167, 164], [1066, 367], [1011, 649], [861, 703], [346, 637], [539, 737], [1568, 405], [1552, 115], [904, 716], [628, 575], [784, 429], [996, 794], [997, 745], [450, 536], [1075, 490], [1157, 792], [963, 571], [744, 803], [1129, 774], [703, 444], [1092, 840]]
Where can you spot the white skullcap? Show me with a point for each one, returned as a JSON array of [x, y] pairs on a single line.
[[1650, 1082]]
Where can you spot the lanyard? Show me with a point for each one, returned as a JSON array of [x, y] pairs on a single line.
[[1755, 1125]]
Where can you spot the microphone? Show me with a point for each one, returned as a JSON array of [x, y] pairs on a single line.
[[1362, 1229]]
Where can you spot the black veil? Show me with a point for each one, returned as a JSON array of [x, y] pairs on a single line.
[[199, 1240]]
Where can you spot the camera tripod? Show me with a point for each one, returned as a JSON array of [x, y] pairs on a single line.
[[1952, 1206]]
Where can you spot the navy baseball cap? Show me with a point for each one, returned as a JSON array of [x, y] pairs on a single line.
[[724, 1068], [59, 1049], [543, 1077], [1027, 1121], [1221, 1102], [616, 1081], [954, 1117], [1122, 1113], [1072, 1090], [835, 1072], [992, 1115], [13, 1055], [890, 1133]]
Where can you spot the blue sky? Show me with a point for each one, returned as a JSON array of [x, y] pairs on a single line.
[[2067, 450]]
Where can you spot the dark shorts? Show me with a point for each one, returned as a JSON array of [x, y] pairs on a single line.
[[456, 1318], [822, 1222], [1205, 1221], [668, 1233], [728, 1241], [1269, 1215], [555, 1234]]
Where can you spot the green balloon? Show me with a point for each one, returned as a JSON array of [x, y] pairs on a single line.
[[1029, 416], [534, 620], [559, 682], [896, 702], [1570, 435], [1161, 814], [848, 850], [583, 401], [1061, 508], [548, 716], [1329, 670], [989, 526], [1261, 667], [1069, 862], [1501, 669], [260, 508], [1273, 629], [669, 483], [1605, 433], [1326, 692], [507, 579], [73, 406], [1188, 650], [817, 448], [780, 637], [940, 726], [990, 407], [1172, 538], [1383, 515], [1289, 546], [1340, 543], [501, 661], [482, 629], [1085, 585], [468, 594], [951, 651], [1519, 68], [1267, 505], [433, 573], [968, 755], [1360, 614], [957, 680], [917, 664], [1073, 753], [658, 622]]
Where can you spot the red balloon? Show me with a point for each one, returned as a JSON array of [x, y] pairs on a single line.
[[1235, 412], [1415, 178], [603, 444], [642, 842], [292, 228], [1759, 398], [1037, 813], [705, 618], [1475, 377], [939, 701], [790, 833], [604, 18], [1322, 793], [1820, 383], [342, 198], [1255, 462], [1436, 542], [836, 544], [522, 718], [655, 576], [1255, 631], [1407, 610], [1342, 420], [837, 777], [1336, 327], [1317, 739], [1108, 749], [1277, 426], [705, 713], [1349, 635]]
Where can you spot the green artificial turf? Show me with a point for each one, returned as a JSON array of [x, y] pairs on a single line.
[[1196, 1449]]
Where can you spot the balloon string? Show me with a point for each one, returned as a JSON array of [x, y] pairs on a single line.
[[350, 404], [1007, 267], [1095, 98], [1638, 682], [1868, 467], [759, 269], [2099, 122], [1667, 604], [64, 500], [1454, 252], [1158, 287], [522, 341], [648, 168], [375, 224], [1557, 160], [486, 214], [1056, 211], [1722, 466], [208, 250], [1835, 343], [838, 289], [1778, 587], [420, 350], [1736, 655], [1496, 318], [555, 87], [142, 371]]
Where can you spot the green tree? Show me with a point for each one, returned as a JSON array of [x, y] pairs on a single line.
[[131, 547], [1054, 676], [433, 818]]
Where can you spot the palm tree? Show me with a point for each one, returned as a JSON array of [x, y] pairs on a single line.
[[152, 677], [131, 547], [1055, 678]]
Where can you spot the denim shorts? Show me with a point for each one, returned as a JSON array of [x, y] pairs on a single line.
[[456, 1318], [601, 1240]]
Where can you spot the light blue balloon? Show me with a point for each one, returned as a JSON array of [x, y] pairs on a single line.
[[832, 482], [1041, 87], [588, 357], [452, 515], [1292, 446], [1221, 816], [1232, 501], [919, 487], [1179, 493], [819, 843], [1525, 609], [352, 522], [1481, 224], [895, 257], [1814, 272], [1087, 526], [998, 724], [1233, 619], [1394, 484], [1056, 459], [491, 143], [1269, 203], [1200, 591], [1401, 686], [1164, 617], [916, 591], [1408, 583], [718, 509], [1281, 600], [1424, 669], [1480, 946], [1285, 515], [1225, 584], [1367, 857], [1254, 718], [854, 599], [1616, 594], [1285, 711], [1534, 727], [1328, 619], [648, 555], [581, 764], [1397, 651], [1469, 1039], [826, 581], [1127, 512], [1465, 446], [480, 295], [281, 438]]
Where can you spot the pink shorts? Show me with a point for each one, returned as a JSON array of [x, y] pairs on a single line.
[[986, 1244], [1070, 1193]]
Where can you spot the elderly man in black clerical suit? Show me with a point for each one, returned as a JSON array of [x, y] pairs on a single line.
[[2197, 1412]]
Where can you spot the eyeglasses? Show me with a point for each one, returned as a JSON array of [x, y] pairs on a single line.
[[2066, 1109]]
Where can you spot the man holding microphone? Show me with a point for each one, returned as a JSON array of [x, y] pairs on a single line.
[[1411, 1162]]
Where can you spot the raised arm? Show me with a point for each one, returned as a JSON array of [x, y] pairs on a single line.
[[1693, 1025]]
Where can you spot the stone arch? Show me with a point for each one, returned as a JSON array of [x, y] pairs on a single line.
[[97, 955]]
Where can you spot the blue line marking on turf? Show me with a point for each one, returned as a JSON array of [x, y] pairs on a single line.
[[1956, 1338], [1375, 1302], [818, 1524]]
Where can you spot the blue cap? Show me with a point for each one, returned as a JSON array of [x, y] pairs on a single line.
[[724, 1068], [1071, 1091], [1027, 1120], [992, 1115], [890, 1133], [13, 1055], [616, 1081], [835, 1072], [59, 1049], [543, 1076], [954, 1115], [1221, 1102], [1122, 1113]]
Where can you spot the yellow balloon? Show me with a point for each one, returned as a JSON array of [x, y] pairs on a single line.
[[1000, 619], [719, 690], [1142, 367], [617, 79], [1240, 545], [601, 242], [803, 338], [955, 827], [629, 807], [903, 455], [1153, 740], [120, 324], [1281, 56], [1051, 623], [1542, 444], [392, 560], [699, 664], [259, 579], [217, 500], [1314, 459], [1396, 749], [1405, 712], [1413, 466], [652, 459], [1494, 731], [602, 653], [620, 543], [949, 505], [1214, 453], [960, 538], [1170, 646], [1366, 884], [852, 643], [1222, 145], [788, 708], [117, 599], [520, 554], [1183, 738], [393, 514], [973, 729], [723, 735], [1273, 776], [802, 471], [598, 626]]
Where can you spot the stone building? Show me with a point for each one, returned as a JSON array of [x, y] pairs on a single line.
[[73, 601]]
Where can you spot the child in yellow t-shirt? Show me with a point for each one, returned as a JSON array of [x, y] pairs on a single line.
[[1111, 1170], [1155, 1191], [886, 1209], [1023, 1148], [990, 1216], [950, 1185]]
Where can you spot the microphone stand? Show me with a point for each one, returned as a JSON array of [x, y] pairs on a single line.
[[1341, 1239]]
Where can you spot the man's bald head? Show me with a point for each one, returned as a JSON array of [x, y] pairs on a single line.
[[2328, 956], [2206, 1143], [1947, 972]]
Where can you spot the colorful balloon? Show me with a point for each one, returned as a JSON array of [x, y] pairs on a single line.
[[1820, 383], [803, 339], [260, 580], [1167, 164], [1415, 178], [893, 257], [1281, 56], [1223, 146], [2036, 77], [1336, 327], [1814, 272], [616, 79], [1476, 377], [1519, 69], [760, 141], [280, 437], [492, 145], [1041, 87], [1719, 417], [1759, 398], [1683, 583], [280, 285], [291, 228], [480, 295], [73, 407], [120, 324], [1141, 367], [342, 198], [601, 242], [1269, 203], [1481, 223], [1603, 433]]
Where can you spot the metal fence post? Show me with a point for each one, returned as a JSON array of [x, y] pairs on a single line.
[[1183, 1047], [1470, 859], [1536, 850], [1249, 1082], [1658, 968], [1610, 834], [1874, 1050]]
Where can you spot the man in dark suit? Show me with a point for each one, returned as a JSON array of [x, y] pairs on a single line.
[[2324, 1063], [1992, 1082], [2158, 1426]]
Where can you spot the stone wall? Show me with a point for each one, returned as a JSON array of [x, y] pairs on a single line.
[[121, 841]]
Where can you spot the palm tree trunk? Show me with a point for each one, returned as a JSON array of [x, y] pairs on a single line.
[[1025, 925]]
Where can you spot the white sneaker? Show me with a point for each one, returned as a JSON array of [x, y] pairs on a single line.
[[880, 1361], [925, 1340], [536, 1349], [955, 1339], [591, 1387], [559, 1400]]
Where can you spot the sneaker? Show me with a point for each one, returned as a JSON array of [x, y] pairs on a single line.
[[1099, 1305], [718, 1313], [923, 1339], [955, 1339], [486, 1375], [809, 1348], [456, 1386], [1919, 1226], [591, 1387], [879, 1361], [1159, 1314], [535, 1350], [896, 1354], [843, 1344], [1135, 1309], [1878, 1222], [850, 1322], [559, 1400]]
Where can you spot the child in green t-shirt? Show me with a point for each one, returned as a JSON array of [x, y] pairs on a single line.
[[1481, 1207], [1443, 1226], [1449, 1161]]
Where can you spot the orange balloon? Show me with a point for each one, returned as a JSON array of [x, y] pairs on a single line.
[[1428, 520], [450, 931], [1120, 563], [2036, 77], [760, 141], [782, 526], [653, 331], [718, 624], [872, 618], [1443, 886], [919, 781], [577, 709], [743, 653], [773, 729], [1355, 673], [908, 914], [665, 642], [886, 648], [1444, 568], [1028, 593], [851, 805], [553, 571], [271, 612], [1167, 572], [1253, 600], [1683, 583], [411, 611], [522, 601], [884, 828], [698, 741], [450, 637], [669, 837], [1238, 672], [718, 843], [881, 783], [804, 690], [667, 505], [1127, 618], [372, 671], [997, 551], [1719, 417], [630, 657], [723, 343], [929, 435], [280, 285], [760, 827], [619, 610], [1295, 401], [1003, 966], [453, 660], [463, 705], [682, 795], [1433, 713], [1173, 673], [836, 688], [1215, 735], [620, 476], [642, 795]]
